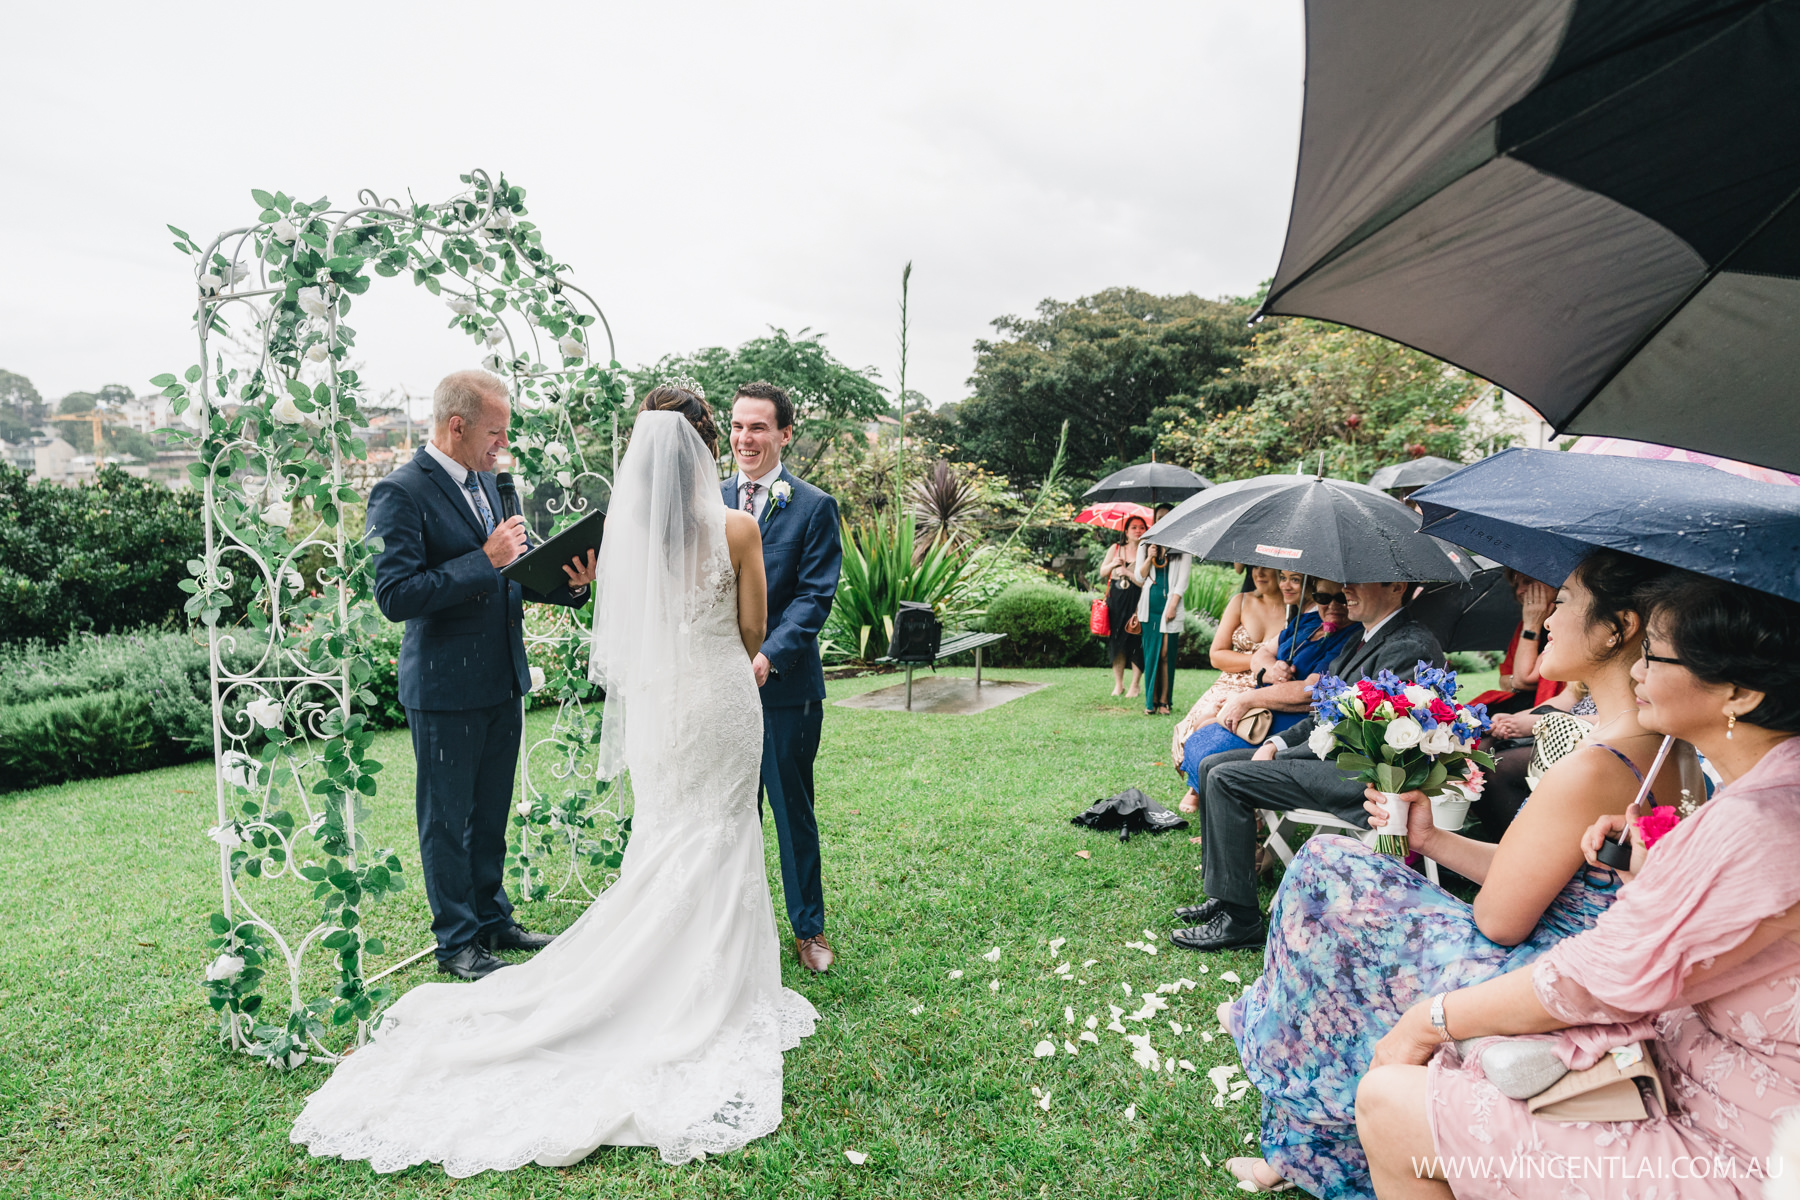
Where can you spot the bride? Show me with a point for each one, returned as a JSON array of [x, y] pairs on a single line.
[[658, 1018]]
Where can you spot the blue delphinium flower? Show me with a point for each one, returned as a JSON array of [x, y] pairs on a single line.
[[1326, 694], [1389, 682], [1440, 680]]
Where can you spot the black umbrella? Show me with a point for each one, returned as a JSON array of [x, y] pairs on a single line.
[[1148, 483], [1328, 528], [1591, 203], [1413, 473], [1478, 615]]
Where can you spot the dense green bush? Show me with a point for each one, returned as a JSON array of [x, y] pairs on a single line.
[[78, 737], [1046, 625], [102, 557]]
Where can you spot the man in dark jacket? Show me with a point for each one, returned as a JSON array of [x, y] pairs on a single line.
[[1284, 774], [462, 661]]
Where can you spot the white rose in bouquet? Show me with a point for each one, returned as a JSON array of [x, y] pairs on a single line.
[[1403, 733], [286, 411], [280, 514], [1438, 741], [283, 231], [313, 302], [265, 712], [223, 968], [1419, 697], [537, 678], [571, 346], [1322, 740], [462, 306]]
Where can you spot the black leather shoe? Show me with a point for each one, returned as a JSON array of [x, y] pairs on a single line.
[[511, 937], [1197, 914], [1222, 933], [471, 963]]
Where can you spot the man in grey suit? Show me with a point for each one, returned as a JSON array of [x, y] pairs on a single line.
[[1284, 774], [462, 661]]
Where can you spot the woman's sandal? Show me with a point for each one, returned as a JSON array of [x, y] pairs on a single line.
[[1190, 802], [1250, 1173]]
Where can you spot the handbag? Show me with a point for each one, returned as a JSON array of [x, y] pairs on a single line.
[[1134, 625], [917, 635], [1253, 726], [1099, 620]]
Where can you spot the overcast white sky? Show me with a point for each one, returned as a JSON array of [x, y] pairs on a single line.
[[707, 170]]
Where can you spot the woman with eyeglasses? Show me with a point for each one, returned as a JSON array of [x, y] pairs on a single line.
[[1356, 937], [1700, 957]]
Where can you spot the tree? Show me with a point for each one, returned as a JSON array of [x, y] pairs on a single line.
[[17, 395], [1332, 396], [1109, 364], [830, 399]]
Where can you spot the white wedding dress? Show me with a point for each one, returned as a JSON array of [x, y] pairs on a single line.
[[658, 1018]]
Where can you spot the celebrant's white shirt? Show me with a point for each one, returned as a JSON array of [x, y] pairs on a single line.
[[764, 483], [460, 474]]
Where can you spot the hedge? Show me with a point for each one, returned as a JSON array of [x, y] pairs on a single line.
[[80, 737]]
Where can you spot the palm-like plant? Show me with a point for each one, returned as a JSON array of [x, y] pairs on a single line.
[[880, 571], [944, 506]]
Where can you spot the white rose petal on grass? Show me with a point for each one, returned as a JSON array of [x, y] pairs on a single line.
[[857, 1157], [1230, 977], [1186, 1065], [1044, 1102], [956, 974], [1063, 969], [1220, 1074], [1126, 987], [1090, 962], [1056, 944], [1043, 1049], [1205, 970], [1070, 1047], [1092, 1023], [1131, 1112], [1068, 1015], [1175, 1028], [993, 985], [917, 1009], [993, 955], [1205, 1036], [1088, 1035]]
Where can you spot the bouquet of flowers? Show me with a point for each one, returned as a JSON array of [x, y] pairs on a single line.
[[1399, 735]]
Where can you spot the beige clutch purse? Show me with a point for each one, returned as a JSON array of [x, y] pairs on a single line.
[[1610, 1090]]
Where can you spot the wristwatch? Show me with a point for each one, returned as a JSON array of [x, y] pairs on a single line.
[[1437, 1016], [1530, 635]]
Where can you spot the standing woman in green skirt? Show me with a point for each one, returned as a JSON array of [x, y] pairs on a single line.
[[1164, 574]]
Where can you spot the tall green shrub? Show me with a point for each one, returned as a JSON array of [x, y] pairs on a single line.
[[78, 737], [879, 573], [1045, 626]]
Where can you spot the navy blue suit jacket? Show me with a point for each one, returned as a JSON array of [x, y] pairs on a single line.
[[464, 645], [802, 556]]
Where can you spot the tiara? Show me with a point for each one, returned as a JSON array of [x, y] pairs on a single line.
[[686, 383]]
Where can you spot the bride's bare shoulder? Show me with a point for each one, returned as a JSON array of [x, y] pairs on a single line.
[[742, 534]]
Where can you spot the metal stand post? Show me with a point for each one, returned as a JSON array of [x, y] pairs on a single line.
[[978, 650], [909, 671]]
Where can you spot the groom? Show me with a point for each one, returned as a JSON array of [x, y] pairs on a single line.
[[801, 555]]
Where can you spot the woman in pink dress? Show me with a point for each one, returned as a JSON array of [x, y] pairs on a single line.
[[1699, 958]]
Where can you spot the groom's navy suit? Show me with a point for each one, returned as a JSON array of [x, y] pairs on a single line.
[[802, 555], [462, 674]]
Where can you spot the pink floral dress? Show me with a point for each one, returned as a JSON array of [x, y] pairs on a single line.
[[1728, 1047]]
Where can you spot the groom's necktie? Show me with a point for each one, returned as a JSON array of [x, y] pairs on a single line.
[[473, 485], [750, 496]]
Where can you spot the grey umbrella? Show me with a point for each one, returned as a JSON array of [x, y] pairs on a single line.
[[1148, 483], [1413, 473]]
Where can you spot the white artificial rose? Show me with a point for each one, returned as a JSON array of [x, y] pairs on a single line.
[[462, 306], [278, 514], [1322, 740], [211, 283], [537, 678], [317, 352], [226, 835], [565, 478], [239, 769], [571, 346], [293, 581], [295, 1058], [494, 336], [524, 808], [283, 231], [493, 363], [265, 712], [286, 411], [1403, 733], [1419, 697], [225, 967], [236, 273], [556, 450], [500, 218], [1439, 741], [313, 302]]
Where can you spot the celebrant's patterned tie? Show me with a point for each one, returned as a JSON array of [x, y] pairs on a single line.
[[750, 497], [481, 505]]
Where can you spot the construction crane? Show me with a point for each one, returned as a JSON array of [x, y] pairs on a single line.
[[95, 418]]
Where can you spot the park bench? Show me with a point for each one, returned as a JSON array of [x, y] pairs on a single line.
[[959, 642]]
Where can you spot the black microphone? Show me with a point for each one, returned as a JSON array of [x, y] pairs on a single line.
[[509, 500]]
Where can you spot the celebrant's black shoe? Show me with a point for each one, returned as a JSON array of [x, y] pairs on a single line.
[[1197, 914], [471, 963], [511, 937], [1222, 933]]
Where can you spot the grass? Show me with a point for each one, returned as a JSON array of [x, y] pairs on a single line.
[[943, 836]]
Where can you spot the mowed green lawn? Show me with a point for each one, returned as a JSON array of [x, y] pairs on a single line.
[[944, 837]]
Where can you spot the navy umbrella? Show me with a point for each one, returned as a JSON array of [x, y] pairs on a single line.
[[1148, 483], [1414, 472], [1478, 615], [1328, 528], [1593, 203], [1542, 511]]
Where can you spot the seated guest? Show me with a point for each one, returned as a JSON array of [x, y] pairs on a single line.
[[1284, 774], [1699, 957], [1251, 619], [1302, 653], [1357, 937], [1521, 685]]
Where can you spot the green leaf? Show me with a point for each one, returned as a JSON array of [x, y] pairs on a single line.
[[163, 380], [262, 198], [220, 924], [193, 374]]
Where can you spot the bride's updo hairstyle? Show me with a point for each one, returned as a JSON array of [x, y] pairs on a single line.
[[672, 397]]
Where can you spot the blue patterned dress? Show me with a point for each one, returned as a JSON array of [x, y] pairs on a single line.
[[1356, 938]]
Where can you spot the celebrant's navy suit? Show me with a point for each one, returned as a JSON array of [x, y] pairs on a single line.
[[802, 555], [462, 674]]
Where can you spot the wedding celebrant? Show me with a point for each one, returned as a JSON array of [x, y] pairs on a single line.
[[801, 556], [462, 661]]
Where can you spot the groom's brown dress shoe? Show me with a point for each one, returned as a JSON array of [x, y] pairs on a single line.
[[814, 954]]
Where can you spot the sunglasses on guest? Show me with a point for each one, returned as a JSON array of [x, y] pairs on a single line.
[[1327, 599]]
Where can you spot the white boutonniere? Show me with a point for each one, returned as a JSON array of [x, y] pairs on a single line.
[[779, 494]]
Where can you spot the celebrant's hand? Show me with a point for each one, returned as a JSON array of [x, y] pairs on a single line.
[[582, 573], [1419, 827], [1608, 826], [1411, 1041]]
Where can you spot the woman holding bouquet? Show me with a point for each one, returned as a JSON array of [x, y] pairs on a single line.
[[1357, 938], [1701, 954]]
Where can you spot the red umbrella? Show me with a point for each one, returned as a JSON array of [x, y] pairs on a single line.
[[1112, 514]]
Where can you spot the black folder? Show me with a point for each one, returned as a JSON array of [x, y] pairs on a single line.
[[541, 567]]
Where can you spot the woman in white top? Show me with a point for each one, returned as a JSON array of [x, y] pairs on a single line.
[[1164, 574]]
